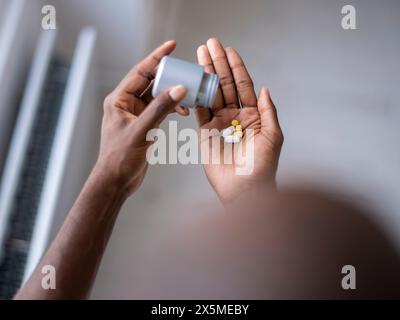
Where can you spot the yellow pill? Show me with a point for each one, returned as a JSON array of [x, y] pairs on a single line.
[[235, 123], [238, 133], [238, 127]]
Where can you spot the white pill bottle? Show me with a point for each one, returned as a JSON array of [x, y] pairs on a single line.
[[201, 86]]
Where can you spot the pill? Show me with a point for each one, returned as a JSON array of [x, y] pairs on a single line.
[[238, 127], [228, 131], [238, 133], [232, 139], [235, 123]]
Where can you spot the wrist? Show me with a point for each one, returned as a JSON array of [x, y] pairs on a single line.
[[245, 187], [103, 179]]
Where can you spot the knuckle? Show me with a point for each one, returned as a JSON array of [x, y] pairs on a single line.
[[115, 100], [209, 66], [156, 59], [226, 80], [162, 103], [143, 73], [239, 65], [108, 102], [219, 59], [245, 84]]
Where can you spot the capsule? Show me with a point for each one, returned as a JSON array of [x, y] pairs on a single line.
[[228, 131], [232, 139]]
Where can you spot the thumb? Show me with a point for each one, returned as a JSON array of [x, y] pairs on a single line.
[[267, 110], [159, 108]]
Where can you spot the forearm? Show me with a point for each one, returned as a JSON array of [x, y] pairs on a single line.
[[79, 246]]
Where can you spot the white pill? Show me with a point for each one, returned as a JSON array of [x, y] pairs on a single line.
[[228, 131], [232, 139]]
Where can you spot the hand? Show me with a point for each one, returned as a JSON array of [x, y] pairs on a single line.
[[252, 113], [129, 113]]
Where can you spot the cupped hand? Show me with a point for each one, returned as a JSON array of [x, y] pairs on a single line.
[[236, 99]]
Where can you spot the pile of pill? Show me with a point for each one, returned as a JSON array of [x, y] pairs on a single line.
[[234, 133]]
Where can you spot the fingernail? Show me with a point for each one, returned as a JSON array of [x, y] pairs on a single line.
[[202, 53], [212, 45], [177, 93]]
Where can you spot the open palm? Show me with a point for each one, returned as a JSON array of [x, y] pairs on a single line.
[[236, 99]]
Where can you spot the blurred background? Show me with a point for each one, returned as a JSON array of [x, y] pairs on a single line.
[[336, 92]]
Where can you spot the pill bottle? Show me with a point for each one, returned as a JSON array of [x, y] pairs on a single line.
[[201, 86]]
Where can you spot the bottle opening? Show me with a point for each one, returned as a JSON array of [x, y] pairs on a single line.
[[208, 90]]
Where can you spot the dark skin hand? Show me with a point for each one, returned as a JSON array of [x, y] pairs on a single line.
[[129, 113], [127, 119], [258, 114]]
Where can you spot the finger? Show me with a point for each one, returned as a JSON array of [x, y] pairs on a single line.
[[223, 70], [183, 111], [204, 115], [244, 84], [268, 114], [204, 59], [140, 76], [158, 109], [147, 97]]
